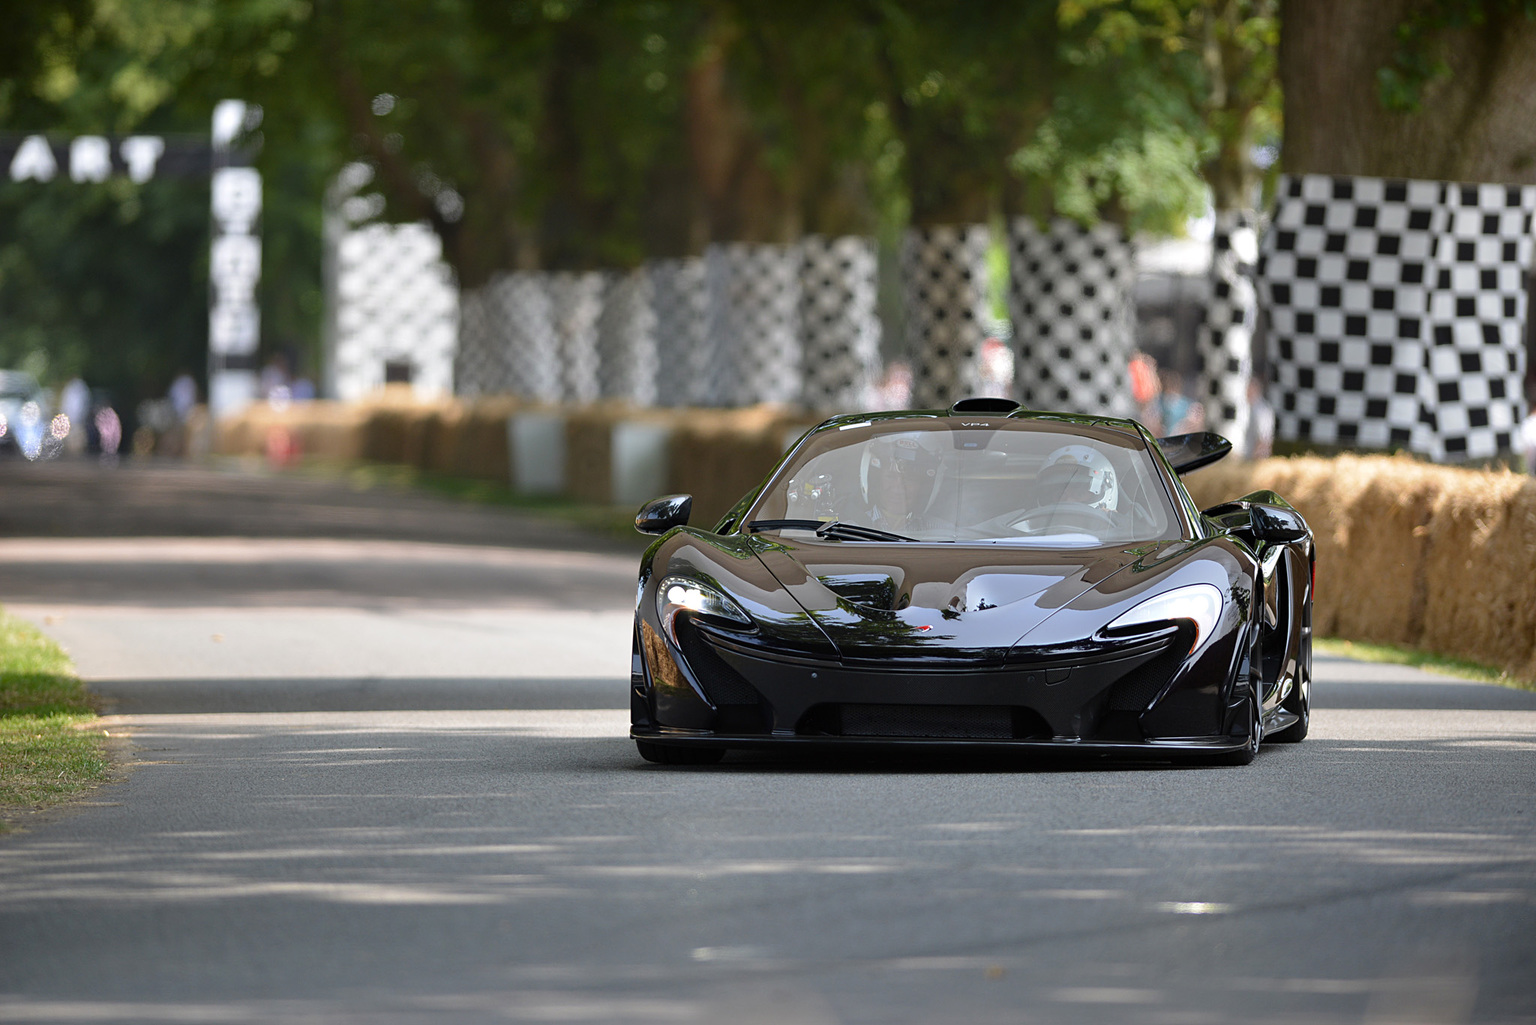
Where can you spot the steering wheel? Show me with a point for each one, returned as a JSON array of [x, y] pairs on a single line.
[[1075, 514]]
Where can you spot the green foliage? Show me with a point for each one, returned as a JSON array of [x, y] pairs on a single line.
[[575, 133], [109, 281], [1203, 76], [1416, 64]]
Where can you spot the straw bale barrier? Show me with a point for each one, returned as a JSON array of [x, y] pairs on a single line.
[[1410, 554], [1431, 557], [718, 455]]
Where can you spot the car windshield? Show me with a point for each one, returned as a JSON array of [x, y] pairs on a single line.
[[1023, 482]]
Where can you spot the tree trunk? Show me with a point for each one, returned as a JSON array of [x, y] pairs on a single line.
[[944, 283], [1225, 340], [754, 305], [1070, 300], [626, 340], [1476, 124], [680, 303], [838, 322]]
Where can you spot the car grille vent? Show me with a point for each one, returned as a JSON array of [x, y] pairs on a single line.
[[951, 721], [722, 684], [1141, 686]]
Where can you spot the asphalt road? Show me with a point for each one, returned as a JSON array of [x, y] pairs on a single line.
[[384, 778]]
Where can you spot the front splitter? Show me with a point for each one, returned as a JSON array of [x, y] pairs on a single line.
[[1199, 746]]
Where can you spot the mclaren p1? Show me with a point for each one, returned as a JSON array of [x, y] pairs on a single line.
[[984, 575]]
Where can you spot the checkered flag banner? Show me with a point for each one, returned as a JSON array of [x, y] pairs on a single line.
[[396, 303], [626, 340], [1225, 340], [685, 361], [1070, 298], [1396, 312], [754, 306], [840, 328], [944, 284], [479, 368], [1477, 314], [575, 303], [517, 305]]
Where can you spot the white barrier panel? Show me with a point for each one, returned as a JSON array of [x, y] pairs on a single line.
[[638, 462], [537, 444]]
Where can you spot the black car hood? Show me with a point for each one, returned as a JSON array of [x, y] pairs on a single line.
[[937, 602]]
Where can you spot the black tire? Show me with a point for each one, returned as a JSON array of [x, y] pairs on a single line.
[[666, 754], [1299, 701]]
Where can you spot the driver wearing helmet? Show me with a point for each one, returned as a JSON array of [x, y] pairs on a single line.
[[900, 479], [1079, 474]]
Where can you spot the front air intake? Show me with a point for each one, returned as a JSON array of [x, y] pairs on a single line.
[[923, 722]]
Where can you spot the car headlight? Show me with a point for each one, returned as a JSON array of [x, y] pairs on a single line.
[[682, 594], [1199, 604]]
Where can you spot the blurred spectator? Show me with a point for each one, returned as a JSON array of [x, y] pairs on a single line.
[[274, 377], [183, 395], [1259, 438], [894, 389], [1144, 389], [1177, 412], [75, 403], [995, 369], [1525, 435], [109, 432]]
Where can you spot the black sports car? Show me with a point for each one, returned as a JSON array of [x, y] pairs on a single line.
[[982, 575]]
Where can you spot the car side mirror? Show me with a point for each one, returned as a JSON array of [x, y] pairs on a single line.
[[1275, 525], [1187, 452], [662, 514]]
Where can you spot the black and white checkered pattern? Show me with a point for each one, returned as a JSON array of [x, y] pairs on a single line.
[[479, 367], [685, 361], [1070, 297], [576, 302], [517, 307], [626, 340], [944, 284], [754, 300], [1225, 340], [1395, 313], [1477, 312], [396, 301], [838, 321]]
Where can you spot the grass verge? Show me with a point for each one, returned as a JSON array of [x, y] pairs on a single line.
[[1421, 660], [48, 752]]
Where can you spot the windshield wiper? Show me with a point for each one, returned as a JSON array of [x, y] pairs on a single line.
[[835, 529], [757, 525]]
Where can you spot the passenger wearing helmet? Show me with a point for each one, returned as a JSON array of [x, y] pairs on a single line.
[[900, 477], [1079, 474]]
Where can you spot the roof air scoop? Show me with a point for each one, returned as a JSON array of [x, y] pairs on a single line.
[[984, 407]]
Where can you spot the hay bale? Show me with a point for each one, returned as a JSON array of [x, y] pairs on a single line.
[[719, 455], [588, 453], [1480, 569], [481, 452]]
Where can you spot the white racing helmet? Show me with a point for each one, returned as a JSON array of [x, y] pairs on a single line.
[[1095, 480]]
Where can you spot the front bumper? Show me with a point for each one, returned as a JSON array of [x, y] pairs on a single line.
[[715, 690]]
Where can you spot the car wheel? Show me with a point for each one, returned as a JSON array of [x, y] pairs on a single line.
[[1299, 701], [665, 754]]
